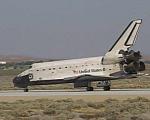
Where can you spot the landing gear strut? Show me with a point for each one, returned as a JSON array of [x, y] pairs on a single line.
[[26, 90], [106, 88], [105, 85], [89, 87]]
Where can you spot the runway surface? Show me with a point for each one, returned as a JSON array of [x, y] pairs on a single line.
[[77, 92]]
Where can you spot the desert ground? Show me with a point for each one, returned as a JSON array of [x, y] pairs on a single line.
[[68, 109]]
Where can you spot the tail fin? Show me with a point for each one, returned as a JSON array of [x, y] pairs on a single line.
[[128, 37], [124, 42]]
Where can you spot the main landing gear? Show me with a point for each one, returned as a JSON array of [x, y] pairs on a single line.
[[105, 85], [106, 88], [89, 87]]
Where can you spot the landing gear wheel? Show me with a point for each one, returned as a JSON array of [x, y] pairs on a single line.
[[89, 89], [26, 90], [106, 88]]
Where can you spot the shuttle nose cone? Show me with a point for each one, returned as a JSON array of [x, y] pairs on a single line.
[[21, 81], [16, 81]]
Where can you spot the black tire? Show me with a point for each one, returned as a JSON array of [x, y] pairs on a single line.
[[89, 89], [107, 88], [26, 90]]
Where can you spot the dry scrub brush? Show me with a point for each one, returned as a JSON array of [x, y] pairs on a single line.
[[67, 109]]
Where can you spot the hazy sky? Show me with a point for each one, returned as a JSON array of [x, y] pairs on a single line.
[[69, 28]]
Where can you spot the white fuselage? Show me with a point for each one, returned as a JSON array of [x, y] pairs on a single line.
[[71, 68]]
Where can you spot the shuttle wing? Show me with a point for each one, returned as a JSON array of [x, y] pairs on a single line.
[[92, 77]]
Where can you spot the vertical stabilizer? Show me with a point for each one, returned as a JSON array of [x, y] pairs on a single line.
[[124, 42], [128, 37]]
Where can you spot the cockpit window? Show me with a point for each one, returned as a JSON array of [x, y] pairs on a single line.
[[30, 66]]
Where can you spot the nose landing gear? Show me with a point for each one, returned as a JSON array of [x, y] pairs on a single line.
[[26, 90]]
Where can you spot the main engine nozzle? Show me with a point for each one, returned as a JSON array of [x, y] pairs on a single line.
[[131, 61], [130, 56], [134, 67]]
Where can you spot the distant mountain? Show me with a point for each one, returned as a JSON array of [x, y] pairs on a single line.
[[146, 58], [16, 58], [19, 58]]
